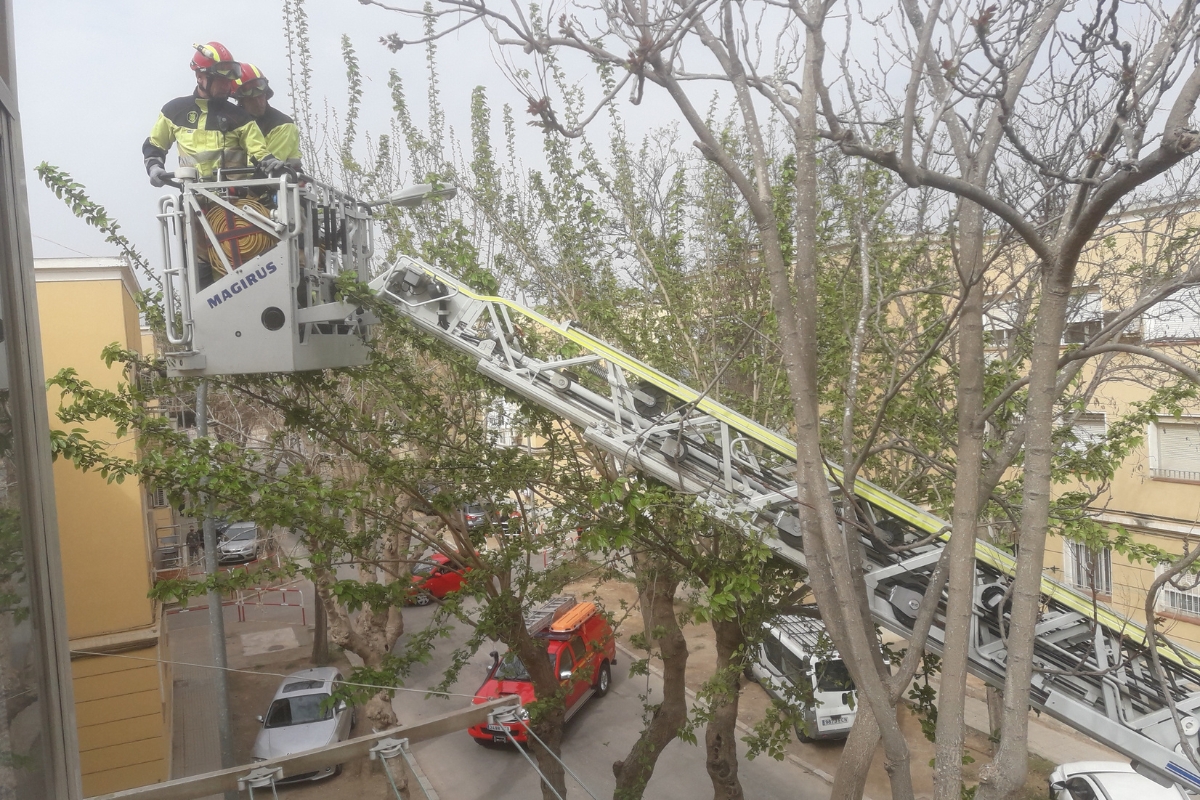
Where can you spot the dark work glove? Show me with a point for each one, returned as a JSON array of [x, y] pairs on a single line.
[[157, 172], [273, 167]]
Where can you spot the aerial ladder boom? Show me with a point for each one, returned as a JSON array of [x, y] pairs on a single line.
[[1092, 667]]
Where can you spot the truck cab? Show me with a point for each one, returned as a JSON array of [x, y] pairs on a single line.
[[581, 648], [797, 665]]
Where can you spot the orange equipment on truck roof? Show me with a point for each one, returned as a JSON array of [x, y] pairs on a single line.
[[573, 618]]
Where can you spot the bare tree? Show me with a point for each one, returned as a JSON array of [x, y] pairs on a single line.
[[1051, 121]]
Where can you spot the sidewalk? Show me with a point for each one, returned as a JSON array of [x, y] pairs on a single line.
[[275, 631], [195, 745]]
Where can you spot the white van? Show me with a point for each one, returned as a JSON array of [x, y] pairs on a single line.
[[797, 651]]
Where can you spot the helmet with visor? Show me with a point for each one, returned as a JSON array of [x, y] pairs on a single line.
[[252, 83], [214, 59]]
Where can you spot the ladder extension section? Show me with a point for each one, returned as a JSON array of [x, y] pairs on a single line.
[[1092, 670]]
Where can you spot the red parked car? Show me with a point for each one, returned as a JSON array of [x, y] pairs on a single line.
[[580, 646], [434, 578]]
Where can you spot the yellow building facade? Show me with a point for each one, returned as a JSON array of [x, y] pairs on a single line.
[[107, 533], [1155, 493], [1155, 496]]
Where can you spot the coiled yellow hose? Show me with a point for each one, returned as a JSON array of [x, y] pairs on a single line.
[[240, 240]]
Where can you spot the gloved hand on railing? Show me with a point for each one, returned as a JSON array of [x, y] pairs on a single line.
[[158, 173], [273, 167]]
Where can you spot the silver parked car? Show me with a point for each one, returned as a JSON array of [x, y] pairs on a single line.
[[303, 717], [240, 541]]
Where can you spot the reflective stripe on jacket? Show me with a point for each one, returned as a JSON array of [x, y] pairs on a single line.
[[282, 135], [209, 134]]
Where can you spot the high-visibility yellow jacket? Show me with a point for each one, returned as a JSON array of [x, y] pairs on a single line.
[[281, 133], [209, 134]]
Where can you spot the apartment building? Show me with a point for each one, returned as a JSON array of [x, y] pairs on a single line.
[[1155, 493], [108, 533]]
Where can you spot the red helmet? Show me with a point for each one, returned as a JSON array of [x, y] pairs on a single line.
[[252, 83], [214, 58]]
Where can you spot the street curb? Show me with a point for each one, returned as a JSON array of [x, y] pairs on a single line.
[[793, 759]]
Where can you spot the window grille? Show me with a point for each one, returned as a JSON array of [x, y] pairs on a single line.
[[1180, 600], [1088, 569], [158, 498]]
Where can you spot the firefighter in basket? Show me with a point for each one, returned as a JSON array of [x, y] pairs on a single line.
[[253, 92], [211, 133]]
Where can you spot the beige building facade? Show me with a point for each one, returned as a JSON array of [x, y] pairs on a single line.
[[122, 682], [1155, 493]]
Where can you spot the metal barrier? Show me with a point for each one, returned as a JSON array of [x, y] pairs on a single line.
[[243, 598]]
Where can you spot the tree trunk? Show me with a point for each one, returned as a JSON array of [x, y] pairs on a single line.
[[951, 723], [656, 595], [850, 779], [825, 545], [995, 707], [320, 647], [720, 736], [549, 728], [548, 725], [1007, 771]]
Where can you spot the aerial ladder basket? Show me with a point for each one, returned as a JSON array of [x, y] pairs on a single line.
[[274, 249]]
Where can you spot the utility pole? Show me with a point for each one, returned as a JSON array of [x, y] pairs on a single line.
[[216, 613]]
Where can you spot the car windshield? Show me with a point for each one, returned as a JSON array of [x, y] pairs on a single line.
[[423, 568], [239, 533], [832, 676], [298, 710], [511, 668]]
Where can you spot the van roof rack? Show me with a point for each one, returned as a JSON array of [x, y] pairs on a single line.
[[540, 619], [806, 630]]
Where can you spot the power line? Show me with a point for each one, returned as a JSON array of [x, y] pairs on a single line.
[[63, 246], [521, 750], [529, 730]]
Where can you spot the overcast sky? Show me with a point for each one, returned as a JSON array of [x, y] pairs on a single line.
[[92, 75]]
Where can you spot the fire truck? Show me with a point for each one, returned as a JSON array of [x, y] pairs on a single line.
[[581, 649], [277, 308]]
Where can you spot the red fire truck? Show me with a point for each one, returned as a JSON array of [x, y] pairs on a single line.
[[581, 648]]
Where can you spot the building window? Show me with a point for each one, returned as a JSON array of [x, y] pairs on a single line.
[[1088, 569], [1177, 317], [1090, 429], [158, 498], [999, 323], [1181, 601], [501, 423], [1085, 316], [1175, 449]]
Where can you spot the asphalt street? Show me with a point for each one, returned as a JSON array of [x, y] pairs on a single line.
[[598, 735]]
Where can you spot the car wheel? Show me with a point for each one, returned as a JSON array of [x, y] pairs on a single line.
[[802, 736], [603, 680], [422, 599]]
